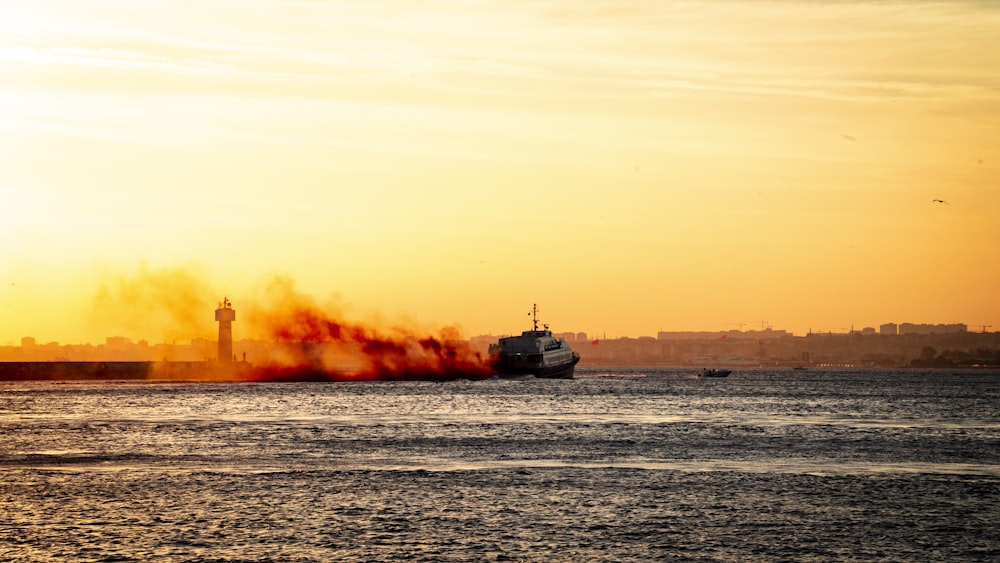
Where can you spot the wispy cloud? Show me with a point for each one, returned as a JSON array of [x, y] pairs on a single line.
[[99, 57], [756, 47], [465, 65]]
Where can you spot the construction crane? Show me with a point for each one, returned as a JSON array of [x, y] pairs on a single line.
[[986, 327], [764, 325]]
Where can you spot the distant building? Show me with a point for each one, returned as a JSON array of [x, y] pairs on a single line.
[[910, 328], [117, 342], [766, 334], [690, 335], [888, 328]]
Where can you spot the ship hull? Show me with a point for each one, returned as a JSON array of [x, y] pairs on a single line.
[[559, 371]]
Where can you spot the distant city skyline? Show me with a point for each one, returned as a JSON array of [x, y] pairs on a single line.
[[578, 336], [950, 347]]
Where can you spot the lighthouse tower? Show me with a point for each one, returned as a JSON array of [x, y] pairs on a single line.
[[225, 314]]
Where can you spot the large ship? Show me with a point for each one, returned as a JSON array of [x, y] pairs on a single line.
[[535, 352]]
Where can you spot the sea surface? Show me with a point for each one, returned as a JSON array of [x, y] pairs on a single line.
[[616, 465]]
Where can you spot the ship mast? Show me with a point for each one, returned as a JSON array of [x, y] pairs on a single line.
[[534, 316]]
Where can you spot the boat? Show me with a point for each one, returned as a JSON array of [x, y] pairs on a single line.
[[535, 352], [713, 372]]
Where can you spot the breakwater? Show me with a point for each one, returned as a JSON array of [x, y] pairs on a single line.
[[85, 371]]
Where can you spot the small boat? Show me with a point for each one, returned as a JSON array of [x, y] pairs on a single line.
[[713, 372], [535, 352]]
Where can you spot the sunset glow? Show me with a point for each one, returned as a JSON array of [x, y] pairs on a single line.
[[629, 167]]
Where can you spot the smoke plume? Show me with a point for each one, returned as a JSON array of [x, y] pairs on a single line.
[[317, 344], [294, 338], [159, 304]]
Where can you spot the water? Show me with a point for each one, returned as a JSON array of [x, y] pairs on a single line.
[[617, 465]]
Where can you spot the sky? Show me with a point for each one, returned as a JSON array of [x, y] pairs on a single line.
[[631, 167]]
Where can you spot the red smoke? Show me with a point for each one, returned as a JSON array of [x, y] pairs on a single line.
[[315, 345], [301, 341]]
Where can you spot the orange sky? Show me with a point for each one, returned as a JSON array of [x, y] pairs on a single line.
[[631, 167]]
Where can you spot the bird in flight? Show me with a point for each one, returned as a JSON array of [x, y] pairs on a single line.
[[940, 201]]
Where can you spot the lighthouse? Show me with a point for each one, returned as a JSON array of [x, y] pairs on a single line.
[[225, 314]]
